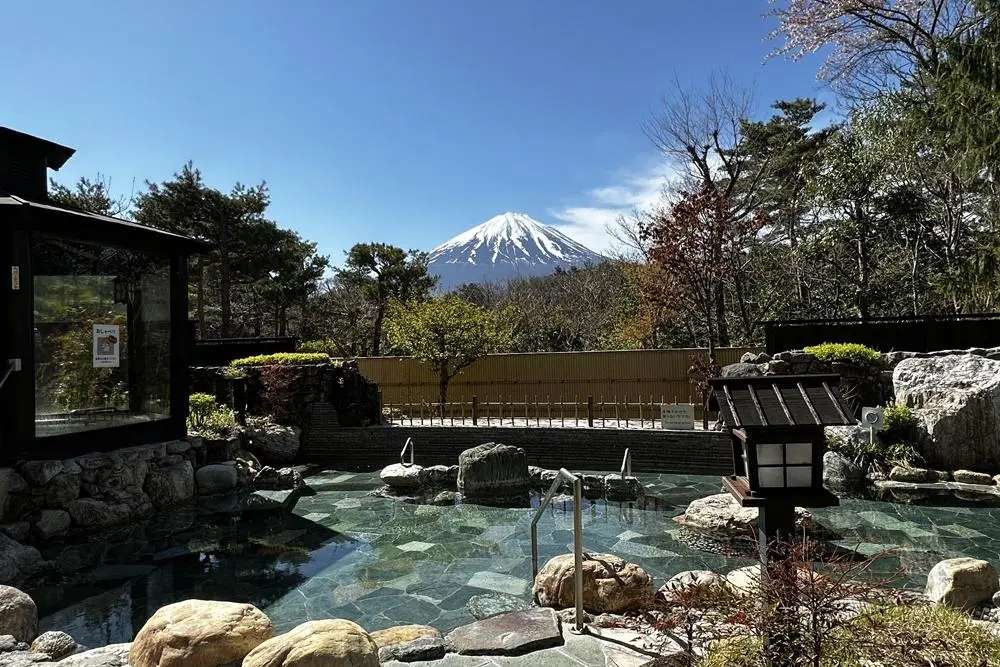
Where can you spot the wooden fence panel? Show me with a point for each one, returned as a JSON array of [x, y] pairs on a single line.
[[610, 377]]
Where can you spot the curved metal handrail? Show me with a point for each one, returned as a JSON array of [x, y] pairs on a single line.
[[627, 464], [402, 454], [564, 474]]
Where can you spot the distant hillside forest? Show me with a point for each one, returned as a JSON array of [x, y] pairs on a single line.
[[888, 204]]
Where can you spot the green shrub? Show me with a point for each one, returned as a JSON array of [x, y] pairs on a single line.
[[852, 352], [281, 359], [899, 424], [209, 419]]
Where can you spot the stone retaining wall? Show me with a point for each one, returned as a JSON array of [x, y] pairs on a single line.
[[691, 452], [45, 498]]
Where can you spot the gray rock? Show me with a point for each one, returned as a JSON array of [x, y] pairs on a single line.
[[17, 530], [908, 474], [113, 655], [52, 523], [441, 475], [18, 561], [514, 633], [401, 477], [972, 477], [424, 648], [57, 645], [18, 614], [267, 478], [963, 583], [445, 498], [62, 488], [494, 604], [25, 659], [492, 469], [690, 579], [274, 442], [10, 482], [996, 599], [94, 513], [10, 643], [739, 370], [840, 474], [957, 399], [178, 447], [216, 478], [170, 485], [38, 473], [622, 489], [541, 477]]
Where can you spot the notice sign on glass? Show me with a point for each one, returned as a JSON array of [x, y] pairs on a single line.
[[106, 342], [677, 416]]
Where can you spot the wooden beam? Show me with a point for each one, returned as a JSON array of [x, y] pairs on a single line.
[[732, 406], [784, 406], [836, 403], [756, 404], [812, 410]]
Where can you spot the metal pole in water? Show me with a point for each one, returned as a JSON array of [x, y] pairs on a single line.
[[578, 553]]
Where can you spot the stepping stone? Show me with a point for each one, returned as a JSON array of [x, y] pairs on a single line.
[[515, 633], [494, 604]]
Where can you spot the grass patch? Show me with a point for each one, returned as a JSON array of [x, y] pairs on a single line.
[[281, 359], [851, 352]]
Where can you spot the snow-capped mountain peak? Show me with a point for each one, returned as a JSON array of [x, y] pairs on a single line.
[[506, 246]]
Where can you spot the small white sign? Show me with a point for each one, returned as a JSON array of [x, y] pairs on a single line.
[[677, 416], [106, 345]]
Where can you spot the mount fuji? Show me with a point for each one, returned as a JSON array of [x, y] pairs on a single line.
[[510, 245]]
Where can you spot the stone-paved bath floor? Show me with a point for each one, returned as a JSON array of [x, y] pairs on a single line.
[[381, 562]]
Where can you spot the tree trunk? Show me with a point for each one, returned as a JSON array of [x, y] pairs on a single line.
[[225, 295], [720, 316], [443, 379], [377, 331]]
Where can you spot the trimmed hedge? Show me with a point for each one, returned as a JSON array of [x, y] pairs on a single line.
[[851, 352], [281, 359]]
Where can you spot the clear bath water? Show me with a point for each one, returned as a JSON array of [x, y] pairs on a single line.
[[345, 553]]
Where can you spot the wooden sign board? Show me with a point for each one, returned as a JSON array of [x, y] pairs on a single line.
[[677, 416]]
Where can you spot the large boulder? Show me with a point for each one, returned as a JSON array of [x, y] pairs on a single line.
[[18, 560], [721, 517], [216, 478], [18, 614], [171, 485], [610, 584], [962, 582], [492, 469], [199, 633], [274, 443], [399, 477], [330, 643], [690, 579], [957, 398]]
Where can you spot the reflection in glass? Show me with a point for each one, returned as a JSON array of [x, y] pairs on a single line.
[[102, 335]]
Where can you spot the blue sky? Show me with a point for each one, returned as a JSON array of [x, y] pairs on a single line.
[[404, 122]]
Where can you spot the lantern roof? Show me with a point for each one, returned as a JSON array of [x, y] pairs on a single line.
[[781, 401]]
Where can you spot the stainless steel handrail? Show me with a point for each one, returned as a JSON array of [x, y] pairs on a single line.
[[12, 365], [627, 464], [402, 454], [564, 474]]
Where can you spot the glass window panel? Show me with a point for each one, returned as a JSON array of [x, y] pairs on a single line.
[[769, 454], [771, 477], [102, 335], [798, 453], [799, 476]]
